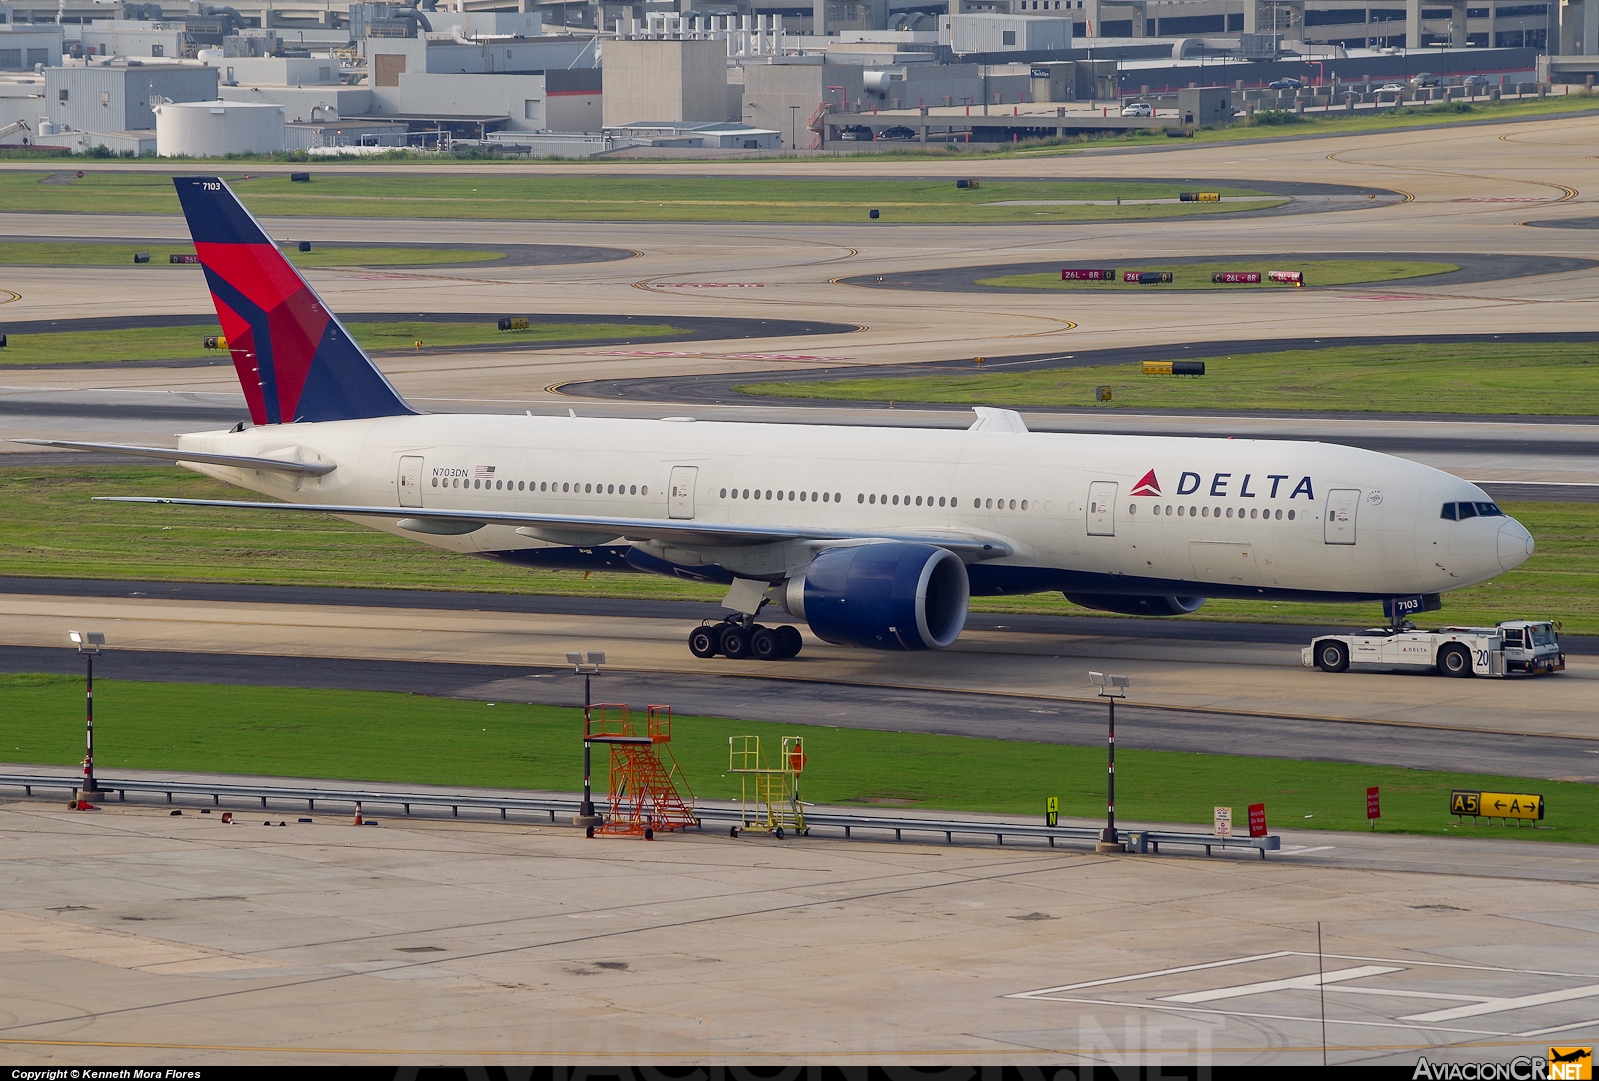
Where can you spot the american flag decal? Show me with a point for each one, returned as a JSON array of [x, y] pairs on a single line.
[[482, 471]]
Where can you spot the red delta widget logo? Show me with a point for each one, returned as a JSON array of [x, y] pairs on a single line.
[[1248, 487]]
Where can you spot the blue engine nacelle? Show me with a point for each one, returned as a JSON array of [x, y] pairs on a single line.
[[882, 596], [1137, 606]]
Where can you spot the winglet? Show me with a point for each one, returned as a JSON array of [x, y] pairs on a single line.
[[990, 419]]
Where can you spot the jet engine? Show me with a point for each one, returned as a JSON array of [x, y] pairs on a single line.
[[1137, 606], [887, 595]]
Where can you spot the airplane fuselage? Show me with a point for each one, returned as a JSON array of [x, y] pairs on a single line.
[[1086, 514]]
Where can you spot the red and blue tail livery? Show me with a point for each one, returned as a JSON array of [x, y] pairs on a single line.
[[295, 360]]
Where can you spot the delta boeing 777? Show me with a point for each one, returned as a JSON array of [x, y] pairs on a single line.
[[875, 537]]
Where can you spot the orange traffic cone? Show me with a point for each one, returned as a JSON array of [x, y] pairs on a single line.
[[358, 821]]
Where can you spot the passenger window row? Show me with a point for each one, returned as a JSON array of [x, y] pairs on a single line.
[[1459, 512], [793, 497], [571, 487], [1211, 512], [903, 500]]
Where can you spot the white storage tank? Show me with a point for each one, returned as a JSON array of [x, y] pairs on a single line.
[[203, 129]]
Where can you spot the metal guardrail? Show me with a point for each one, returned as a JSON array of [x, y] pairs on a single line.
[[1142, 841], [1138, 841]]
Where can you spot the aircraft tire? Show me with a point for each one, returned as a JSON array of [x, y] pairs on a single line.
[[704, 642], [788, 636], [765, 645], [735, 644]]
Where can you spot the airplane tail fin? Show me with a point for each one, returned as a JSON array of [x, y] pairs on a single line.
[[294, 358]]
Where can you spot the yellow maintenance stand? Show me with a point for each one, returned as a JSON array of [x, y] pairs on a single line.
[[769, 799]]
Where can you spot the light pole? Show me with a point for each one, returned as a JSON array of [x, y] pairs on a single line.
[[88, 643], [793, 128], [1110, 688], [586, 664]]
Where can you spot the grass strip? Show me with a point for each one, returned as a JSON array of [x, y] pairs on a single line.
[[408, 739], [619, 198], [1559, 379], [53, 530], [1197, 275], [77, 253], [186, 343]]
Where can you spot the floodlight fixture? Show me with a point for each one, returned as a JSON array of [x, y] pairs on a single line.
[[588, 661], [87, 641], [1111, 685]]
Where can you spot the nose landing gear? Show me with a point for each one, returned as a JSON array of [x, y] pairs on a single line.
[[737, 640]]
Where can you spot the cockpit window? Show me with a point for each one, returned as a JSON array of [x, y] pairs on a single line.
[[1459, 512]]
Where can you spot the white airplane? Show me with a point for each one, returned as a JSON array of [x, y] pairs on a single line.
[[875, 537]]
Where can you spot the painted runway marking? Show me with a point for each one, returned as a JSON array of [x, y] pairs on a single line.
[[804, 357], [1500, 1005], [1296, 983], [1401, 981], [640, 353], [783, 356]]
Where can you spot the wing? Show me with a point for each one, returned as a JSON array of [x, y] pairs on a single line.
[[311, 469], [971, 547]]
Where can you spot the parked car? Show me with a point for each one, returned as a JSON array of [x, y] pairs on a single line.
[[857, 132], [1424, 79], [901, 132], [1475, 84], [1139, 108], [1392, 88], [1287, 83]]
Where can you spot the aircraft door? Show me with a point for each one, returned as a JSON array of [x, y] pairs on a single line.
[[411, 480], [680, 494], [1102, 508], [1339, 525]]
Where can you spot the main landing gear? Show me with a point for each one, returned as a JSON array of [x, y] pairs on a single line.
[[738, 639]]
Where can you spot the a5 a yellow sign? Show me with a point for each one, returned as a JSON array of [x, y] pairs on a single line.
[[1523, 805]]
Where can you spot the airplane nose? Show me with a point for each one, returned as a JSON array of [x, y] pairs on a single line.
[[1515, 544]]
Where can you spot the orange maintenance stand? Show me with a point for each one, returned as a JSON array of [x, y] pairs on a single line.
[[647, 788]]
